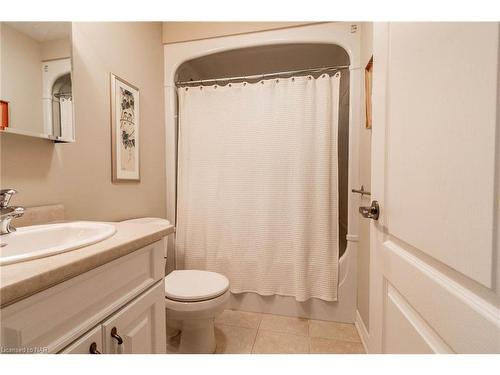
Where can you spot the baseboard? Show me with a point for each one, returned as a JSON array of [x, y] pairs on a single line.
[[362, 331]]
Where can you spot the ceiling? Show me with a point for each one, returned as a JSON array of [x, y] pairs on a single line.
[[43, 31]]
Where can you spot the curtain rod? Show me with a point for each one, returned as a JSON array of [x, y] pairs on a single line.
[[262, 76]]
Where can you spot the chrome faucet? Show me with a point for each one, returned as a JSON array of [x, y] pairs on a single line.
[[7, 213]]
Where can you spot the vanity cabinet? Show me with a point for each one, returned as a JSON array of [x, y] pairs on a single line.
[[137, 328], [127, 294]]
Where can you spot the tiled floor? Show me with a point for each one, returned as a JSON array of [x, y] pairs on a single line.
[[246, 332]]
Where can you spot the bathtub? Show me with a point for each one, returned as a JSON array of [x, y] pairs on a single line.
[[340, 34], [342, 310]]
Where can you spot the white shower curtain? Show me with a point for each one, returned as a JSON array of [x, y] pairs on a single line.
[[257, 185]]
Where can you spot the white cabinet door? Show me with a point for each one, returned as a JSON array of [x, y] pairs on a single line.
[[139, 327], [90, 343], [434, 273]]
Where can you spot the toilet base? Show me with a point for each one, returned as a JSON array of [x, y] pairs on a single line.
[[197, 336], [195, 321]]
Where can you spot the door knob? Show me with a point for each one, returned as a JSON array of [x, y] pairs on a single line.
[[371, 212]]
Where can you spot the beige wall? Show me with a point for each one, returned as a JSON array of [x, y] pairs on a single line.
[[79, 175], [365, 180], [55, 49], [174, 32]]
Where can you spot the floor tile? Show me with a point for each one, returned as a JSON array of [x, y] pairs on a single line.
[[333, 330], [234, 340], [242, 332], [328, 346], [270, 342], [239, 319], [284, 324]]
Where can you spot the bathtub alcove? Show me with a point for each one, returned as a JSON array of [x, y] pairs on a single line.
[[271, 52]]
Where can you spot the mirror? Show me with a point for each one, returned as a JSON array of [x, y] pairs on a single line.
[[35, 80]]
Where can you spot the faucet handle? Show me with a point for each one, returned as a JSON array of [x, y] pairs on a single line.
[[5, 195]]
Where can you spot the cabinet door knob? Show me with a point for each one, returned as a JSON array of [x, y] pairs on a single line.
[[116, 336], [93, 349]]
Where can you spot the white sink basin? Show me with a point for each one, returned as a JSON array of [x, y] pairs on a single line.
[[40, 241]]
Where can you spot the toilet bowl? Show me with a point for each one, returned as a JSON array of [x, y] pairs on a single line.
[[193, 299]]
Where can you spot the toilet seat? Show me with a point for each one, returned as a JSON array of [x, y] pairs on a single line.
[[194, 285]]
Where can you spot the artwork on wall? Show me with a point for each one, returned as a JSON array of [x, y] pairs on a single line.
[[368, 93], [124, 130]]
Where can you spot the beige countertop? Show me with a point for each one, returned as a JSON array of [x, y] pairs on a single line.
[[21, 280]]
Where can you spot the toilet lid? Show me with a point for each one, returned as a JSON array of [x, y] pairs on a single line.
[[194, 285]]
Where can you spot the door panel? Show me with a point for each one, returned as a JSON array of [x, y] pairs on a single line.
[[467, 323], [405, 331], [140, 324], [441, 141], [434, 255]]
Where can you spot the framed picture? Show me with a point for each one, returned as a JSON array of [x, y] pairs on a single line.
[[124, 130], [368, 93]]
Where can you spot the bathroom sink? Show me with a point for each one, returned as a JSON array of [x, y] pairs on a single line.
[[40, 241]]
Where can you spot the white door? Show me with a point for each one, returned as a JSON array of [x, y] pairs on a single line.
[[435, 265], [139, 327]]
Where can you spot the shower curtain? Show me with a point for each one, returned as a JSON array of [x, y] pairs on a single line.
[[257, 185]]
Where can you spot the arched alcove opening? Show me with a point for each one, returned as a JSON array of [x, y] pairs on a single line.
[[277, 58]]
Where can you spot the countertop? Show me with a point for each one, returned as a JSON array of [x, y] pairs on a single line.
[[21, 280]]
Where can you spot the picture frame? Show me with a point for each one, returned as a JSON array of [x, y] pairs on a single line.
[[125, 127], [368, 93]]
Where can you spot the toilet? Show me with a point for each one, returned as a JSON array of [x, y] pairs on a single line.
[[193, 299]]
